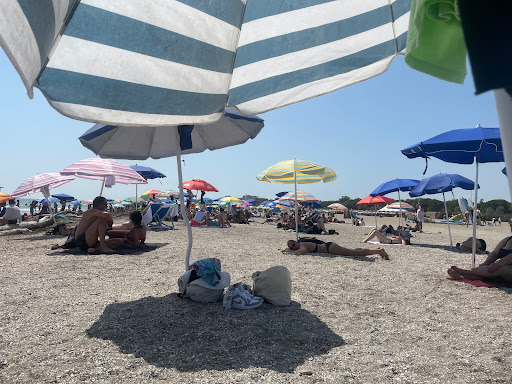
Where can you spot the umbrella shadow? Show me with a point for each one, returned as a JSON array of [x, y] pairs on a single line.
[[356, 258], [177, 333], [437, 246]]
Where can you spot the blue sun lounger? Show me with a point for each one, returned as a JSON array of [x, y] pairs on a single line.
[[155, 214]]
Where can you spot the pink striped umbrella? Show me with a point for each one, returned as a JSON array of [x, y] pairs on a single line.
[[42, 182], [107, 170], [301, 196], [38, 183]]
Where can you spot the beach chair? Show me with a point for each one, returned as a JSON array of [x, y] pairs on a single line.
[[154, 215]]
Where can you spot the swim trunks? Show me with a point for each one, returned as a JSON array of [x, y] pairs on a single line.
[[81, 242]]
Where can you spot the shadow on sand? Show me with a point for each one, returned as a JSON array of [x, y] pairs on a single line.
[[177, 333]]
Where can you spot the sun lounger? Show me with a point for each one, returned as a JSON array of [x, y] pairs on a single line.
[[156, 213]]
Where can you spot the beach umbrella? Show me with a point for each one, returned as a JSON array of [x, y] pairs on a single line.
[[462, 146], [107, 170], [395, 185], [400, 205], [280, 194], [441, 183], [166, 63], [150, 193], [87, 201], [147, 173], [303, 197], [63, 196], [230, 199], [251, 201], [231, 129], [369, 200], [297, 172], [42, 182], [4, 197], [51, 199], [75, 202], [337, 206], [199, 185]]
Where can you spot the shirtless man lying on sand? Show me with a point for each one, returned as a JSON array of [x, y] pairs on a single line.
[[92, 229]]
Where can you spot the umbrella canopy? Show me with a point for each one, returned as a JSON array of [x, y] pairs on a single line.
[[50, 199], [136, 65], [394, 186], [63, 196], [400, 205], [75, 202], [441, 183], [251, 201], [281, 194], [375, 200], [4, 197], [299, 196], [462, 146], [38, 183], [230, 199], [199, 185], [297, 172], [107, 170], [147, 172], [337, 206], [150, 193]]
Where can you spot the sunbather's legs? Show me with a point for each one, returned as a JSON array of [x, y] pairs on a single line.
[[336, 249], [379, 236], [98, 229], [505, 272]]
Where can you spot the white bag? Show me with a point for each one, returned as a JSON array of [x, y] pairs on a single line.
[[274, 285]]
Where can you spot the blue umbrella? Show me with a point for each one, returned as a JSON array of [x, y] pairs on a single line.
[[395, 185], [63, 196], [76, 202], [313, 204], [52, 200], [281, 194], [441, 183], [147, 173], [249, 201], [462, 146]]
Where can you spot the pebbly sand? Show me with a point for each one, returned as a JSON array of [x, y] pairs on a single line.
[[69, 318]]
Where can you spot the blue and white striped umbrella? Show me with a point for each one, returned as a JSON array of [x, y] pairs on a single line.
[[152, 63]]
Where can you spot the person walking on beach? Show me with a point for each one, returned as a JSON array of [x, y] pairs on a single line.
[[420, 216], [92, 229]]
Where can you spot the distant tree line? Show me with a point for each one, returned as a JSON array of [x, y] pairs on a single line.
[[489, 209]]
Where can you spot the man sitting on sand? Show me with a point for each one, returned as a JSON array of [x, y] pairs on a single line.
[[93, 226], [10, 214], [222, 219]]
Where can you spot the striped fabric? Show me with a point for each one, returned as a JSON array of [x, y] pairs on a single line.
[[399, 205], [98, 169], [301, 196], [35, 183], [306, 172], [147, 62]]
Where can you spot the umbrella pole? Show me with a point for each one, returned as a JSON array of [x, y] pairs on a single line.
[[448, 221], [184, 212], [400, 210], [46, 193], [136, 198], [375, 207], [473, 258], [102, 185], [296, 210]]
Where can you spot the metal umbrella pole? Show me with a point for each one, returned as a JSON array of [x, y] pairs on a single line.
[[473, 258], [448, 221], [296, 210]]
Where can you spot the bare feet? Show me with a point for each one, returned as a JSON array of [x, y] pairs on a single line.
[[383, 253], [455, 275], [100, 250]]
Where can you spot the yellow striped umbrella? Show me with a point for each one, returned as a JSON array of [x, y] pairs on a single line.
[[230, 199], [4, 197], [297, 172]]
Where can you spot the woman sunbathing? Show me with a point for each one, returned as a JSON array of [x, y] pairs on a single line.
[[315, 245], [467, 245], [402, 237], [498, 265]]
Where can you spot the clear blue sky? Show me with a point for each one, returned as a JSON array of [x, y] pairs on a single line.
[[357, 131]]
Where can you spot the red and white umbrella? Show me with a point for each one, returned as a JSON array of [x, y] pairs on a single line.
[[337, 206], [199, 185], [301, 196], [400, 205], [42, 182], [107, 170]]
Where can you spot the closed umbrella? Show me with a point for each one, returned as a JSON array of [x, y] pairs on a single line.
[[42, 182], [135, 143], [462, 146], [441, 183], [107, 170], [297, 172]]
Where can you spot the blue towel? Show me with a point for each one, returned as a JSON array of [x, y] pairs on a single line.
[[208, 269]]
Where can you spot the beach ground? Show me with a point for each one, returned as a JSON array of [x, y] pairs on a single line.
[[69, 318]]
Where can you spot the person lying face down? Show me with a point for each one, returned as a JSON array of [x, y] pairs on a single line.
[[467, 245], [319, 246]]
